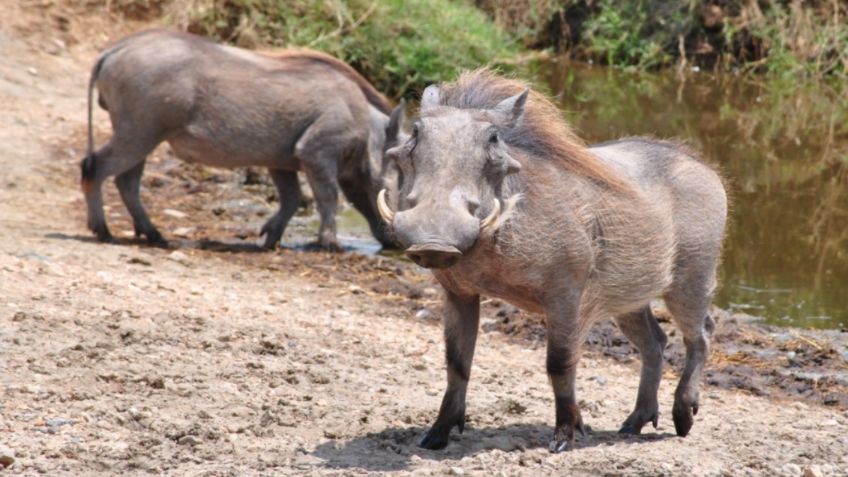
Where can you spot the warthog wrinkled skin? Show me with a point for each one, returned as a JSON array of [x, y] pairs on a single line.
[[223, 106], [500, 198]]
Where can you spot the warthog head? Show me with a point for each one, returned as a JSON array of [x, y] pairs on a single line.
[[452, 168]]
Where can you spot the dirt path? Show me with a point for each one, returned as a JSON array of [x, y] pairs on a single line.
[[130, 360]]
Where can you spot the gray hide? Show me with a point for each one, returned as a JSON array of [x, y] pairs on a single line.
[[223, 106]]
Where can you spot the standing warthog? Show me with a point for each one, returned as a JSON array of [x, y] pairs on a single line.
[[223, 106], [584, 234]]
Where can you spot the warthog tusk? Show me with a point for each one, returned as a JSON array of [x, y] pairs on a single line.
[[385, 212], [499, 215], [487, 224]]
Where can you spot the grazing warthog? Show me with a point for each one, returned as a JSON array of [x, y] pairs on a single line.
[[223, 106], [583, 234]]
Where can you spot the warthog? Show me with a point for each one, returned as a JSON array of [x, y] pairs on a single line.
[[583, 234], [223, 106]]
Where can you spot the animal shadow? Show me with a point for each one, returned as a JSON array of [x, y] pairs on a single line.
[[392, 449], [202, 244]]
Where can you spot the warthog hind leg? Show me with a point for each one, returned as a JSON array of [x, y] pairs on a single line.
[[642, 329], [128, 184], [288, 191], [124, 153], [688, 302], [461, 318]]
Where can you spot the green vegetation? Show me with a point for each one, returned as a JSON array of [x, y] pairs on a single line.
[[785, 38], [400, 45]]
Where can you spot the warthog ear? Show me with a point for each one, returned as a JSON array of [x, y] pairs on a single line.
[[395, 123], [512, 109], [430, 97]]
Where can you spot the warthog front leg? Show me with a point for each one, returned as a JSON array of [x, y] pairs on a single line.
[[288, 192], [564, 336], [642, 329], [128, 184], [462, 316]]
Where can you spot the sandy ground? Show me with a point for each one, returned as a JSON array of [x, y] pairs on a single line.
[[217, 360]]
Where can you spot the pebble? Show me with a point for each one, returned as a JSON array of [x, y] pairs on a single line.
[[31, 70], [423, 314], [59, 421], [7, 457], [188, 441], [175, 213], [183, 231], [457, 471], [813, 471], [178, 257], [791, 469]]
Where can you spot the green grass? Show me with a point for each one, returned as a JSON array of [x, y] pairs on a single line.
[[400, 45]]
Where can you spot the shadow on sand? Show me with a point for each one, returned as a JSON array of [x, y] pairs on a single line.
[[203, 244], [392, 449]]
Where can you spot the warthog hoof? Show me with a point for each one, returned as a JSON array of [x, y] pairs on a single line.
[[154, 238], [564, 436], [102, 233], [682, 413], [437, 437], [637, 419]]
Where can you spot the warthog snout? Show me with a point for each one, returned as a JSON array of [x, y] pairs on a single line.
[[433, 255]]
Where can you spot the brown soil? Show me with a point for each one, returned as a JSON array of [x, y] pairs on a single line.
[[213, 358]]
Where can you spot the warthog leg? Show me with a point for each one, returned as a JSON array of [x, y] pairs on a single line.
[[461, 319], [642, 329], [564, 336], [327, 143], [125, 151], [128, 184], [288, 191], [688, 301]]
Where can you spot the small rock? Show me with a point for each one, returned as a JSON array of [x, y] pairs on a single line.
[[599, 379], [178, 257], [457, 471], [423, 314], [56, 46], [188, 441], [59, 421], [813, 471], [139, 261], [183, 231], [7, 457], [355, 290], [175, 213], [791, 469], [31, 70]]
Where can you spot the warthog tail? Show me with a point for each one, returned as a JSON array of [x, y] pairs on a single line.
[[87, 165]]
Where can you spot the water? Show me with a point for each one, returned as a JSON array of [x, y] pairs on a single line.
[[783, 149]]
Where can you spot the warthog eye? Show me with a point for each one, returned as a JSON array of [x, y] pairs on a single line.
[[493, 139]]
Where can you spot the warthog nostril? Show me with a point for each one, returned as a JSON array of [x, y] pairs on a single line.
[[434, 255]]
